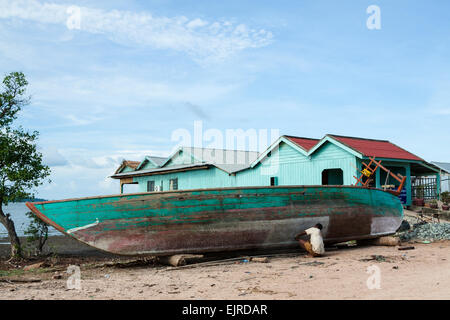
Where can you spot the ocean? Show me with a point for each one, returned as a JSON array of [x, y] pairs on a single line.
[[18, 212]]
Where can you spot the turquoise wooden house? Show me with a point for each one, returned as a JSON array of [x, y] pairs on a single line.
[[332, 160]]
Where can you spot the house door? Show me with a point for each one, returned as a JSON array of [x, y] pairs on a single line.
[[332, 177]]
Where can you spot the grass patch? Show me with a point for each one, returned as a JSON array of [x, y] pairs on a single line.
[[21, 272], [11, 273]]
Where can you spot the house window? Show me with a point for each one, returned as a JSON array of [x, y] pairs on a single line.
[[150, 186], [173, 184], [334, 177], [273, 181]]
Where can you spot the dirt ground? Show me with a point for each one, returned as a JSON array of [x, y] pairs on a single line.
[[421, 273]]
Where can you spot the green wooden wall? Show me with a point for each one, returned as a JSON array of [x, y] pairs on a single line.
[[286, 163]]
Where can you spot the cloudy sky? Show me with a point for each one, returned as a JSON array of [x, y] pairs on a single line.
[[114, 79]]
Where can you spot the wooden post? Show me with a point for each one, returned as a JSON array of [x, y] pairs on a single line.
[[125, 181], [438, 185]]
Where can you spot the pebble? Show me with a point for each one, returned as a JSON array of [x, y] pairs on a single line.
[[428, 232], [57, 276]]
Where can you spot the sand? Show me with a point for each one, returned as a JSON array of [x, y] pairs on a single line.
[[422, 273]]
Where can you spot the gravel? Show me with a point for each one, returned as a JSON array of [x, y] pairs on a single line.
[[427, 231]]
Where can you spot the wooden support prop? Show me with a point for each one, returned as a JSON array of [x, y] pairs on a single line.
[[180, 259], [259, 259], [381, 241]]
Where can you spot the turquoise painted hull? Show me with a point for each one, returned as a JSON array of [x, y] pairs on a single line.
[[188, 221]]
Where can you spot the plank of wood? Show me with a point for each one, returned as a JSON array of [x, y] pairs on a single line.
[[179, 259], [381, 241], [406, 248]]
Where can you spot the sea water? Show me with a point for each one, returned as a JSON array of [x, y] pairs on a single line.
[[18, 213]]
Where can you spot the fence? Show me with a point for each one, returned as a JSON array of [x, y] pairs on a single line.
[[424, 187]]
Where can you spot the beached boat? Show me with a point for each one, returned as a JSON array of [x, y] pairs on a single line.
[[207, 220]]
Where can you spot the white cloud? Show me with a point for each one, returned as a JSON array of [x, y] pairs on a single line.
[[196, 23], [53, 158], [90, 96], [87, 173], [202, 40], [81, 121]]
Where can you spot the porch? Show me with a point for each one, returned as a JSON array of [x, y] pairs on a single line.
[[421, 179]]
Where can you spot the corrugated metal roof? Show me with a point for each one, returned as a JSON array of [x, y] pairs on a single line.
[[222, 156], [376, 148], [305, 143], [367, 147], [156, 170], [159, 161], [445, 166], [231, 168], [229, 161]]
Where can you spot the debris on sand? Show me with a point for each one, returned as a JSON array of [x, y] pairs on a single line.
[[313, 263], [35, 266], [375, 257], [130, 263], [20, 280]]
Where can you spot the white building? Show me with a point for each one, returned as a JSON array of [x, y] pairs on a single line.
[[445, 175]]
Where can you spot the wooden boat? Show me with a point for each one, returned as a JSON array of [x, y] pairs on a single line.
[[206, 220]]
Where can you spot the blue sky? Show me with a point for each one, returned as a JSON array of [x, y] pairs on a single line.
[[136, 71]]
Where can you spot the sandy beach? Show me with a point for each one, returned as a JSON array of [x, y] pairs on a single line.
[[421, 273], [345, 272]]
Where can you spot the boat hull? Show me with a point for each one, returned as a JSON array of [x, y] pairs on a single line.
[[207, 220]]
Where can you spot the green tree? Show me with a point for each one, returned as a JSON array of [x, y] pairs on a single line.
[[21, 167], [37, 233]]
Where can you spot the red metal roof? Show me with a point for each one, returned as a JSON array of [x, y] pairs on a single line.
[[376, 148], [367, 147], [305, 143]]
